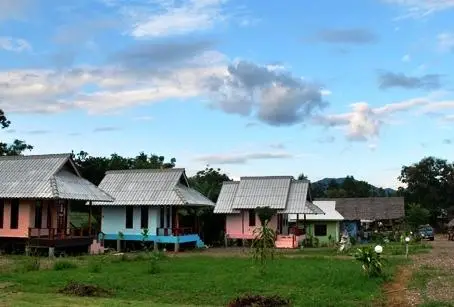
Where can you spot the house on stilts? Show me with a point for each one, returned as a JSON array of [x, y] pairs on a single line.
[[36, 193], [151, 205], [238, 200]]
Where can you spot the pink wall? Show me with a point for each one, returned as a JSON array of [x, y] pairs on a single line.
[[237, 225], [27, 218], [24, 220]]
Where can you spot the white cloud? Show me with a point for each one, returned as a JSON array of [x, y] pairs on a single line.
[[325, 92], [364, 122], [446, 41], [421, 8], [242, 158], [406, 58], [14, 44], [159, 18]]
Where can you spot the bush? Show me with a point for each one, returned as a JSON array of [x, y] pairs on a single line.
[[259, 301], [32, 264], [78, 289], [61, 265], [371, 261]]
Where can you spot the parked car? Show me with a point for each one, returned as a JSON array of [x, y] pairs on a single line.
[[426, 232]]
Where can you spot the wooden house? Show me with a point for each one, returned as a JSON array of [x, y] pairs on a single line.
[[151, 205], [325, 227], [362, 214], [239, 199], [36, 192]]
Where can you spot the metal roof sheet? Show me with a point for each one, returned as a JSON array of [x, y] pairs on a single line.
[[153, 187], [256, 192], [328, 207], [38, 176], [278, 192], [226, 197]]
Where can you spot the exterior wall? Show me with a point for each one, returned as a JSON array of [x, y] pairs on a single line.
[[332, 229], [114, 220], [237, 225], [24, 220]]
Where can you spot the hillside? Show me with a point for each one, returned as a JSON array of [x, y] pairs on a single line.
[[346, 186]]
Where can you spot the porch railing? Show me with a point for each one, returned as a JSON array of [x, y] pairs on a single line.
[[174, 231], [59, 234]]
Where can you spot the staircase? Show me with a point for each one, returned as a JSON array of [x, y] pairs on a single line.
[[286, 241], [96, 248]]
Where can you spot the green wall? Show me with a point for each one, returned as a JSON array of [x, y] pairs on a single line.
[[332, 228]]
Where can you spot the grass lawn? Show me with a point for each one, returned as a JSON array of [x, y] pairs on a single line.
[[198, 281]]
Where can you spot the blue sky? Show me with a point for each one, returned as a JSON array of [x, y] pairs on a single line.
[[328, 88]]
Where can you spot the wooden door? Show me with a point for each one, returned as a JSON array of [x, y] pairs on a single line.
[[62, 216]]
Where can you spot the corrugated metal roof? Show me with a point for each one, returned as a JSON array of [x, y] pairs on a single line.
[[37, 176], [328, 207], [278, 192], [226, 197], [70, 186], [256, 192], [297, 199], [153, 187]]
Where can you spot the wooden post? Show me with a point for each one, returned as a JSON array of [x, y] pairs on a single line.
[[51, 252], [177, 227], [89, 218]]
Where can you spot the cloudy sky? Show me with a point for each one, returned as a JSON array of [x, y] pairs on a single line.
[[330, 88]]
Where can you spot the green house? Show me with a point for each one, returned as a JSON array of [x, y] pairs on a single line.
[[325, 227]]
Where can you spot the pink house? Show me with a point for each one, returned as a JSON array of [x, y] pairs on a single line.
[[35, 196], [239, 199]]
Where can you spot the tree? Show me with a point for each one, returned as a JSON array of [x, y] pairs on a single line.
[[302, 177], [416, 216], [17, 147], [209, 183], [429, 183]]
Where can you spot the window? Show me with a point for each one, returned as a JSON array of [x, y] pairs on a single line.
[[320, 230], [38, 214], [251, 217], [2, 207], [144, 217], [14, 221], [161, 216], [129, 217]]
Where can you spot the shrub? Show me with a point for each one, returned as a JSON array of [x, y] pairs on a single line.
[[61, 265], [32, 264], [259, 301], [79, 289], [371, 261]]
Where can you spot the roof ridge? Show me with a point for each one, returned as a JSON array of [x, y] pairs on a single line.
[[145, 170], [43, 156], [54, 187], [266, 177]]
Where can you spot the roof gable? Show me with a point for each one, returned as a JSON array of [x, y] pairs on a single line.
[[45, 176], [150, 187], [282, 193]]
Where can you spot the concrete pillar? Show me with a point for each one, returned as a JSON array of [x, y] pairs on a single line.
[[118, 245], [27, 250], [51, 252], [226, 240], [155, 246], [177, 246]]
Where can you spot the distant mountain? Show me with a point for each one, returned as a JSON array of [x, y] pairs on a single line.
[[324, 183]]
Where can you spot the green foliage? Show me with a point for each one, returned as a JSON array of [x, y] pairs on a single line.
[[31, 264], [265, 214], [153, 263], [263, 247], [95, 267], [17, 147], [416, 215], [121, 235], [370, 260], [61, 265]]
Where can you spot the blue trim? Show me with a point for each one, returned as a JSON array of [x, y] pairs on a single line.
[[159, 239]]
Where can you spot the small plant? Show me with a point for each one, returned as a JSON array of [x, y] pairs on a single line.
[[259, 301], [95, 267], [153, 264], [145, 234], [263, 247], [371, 261], [32, 264], [61, 265]]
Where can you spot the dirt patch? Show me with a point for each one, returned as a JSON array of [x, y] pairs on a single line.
[[259, 301], [396, 291], [78, 289]]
